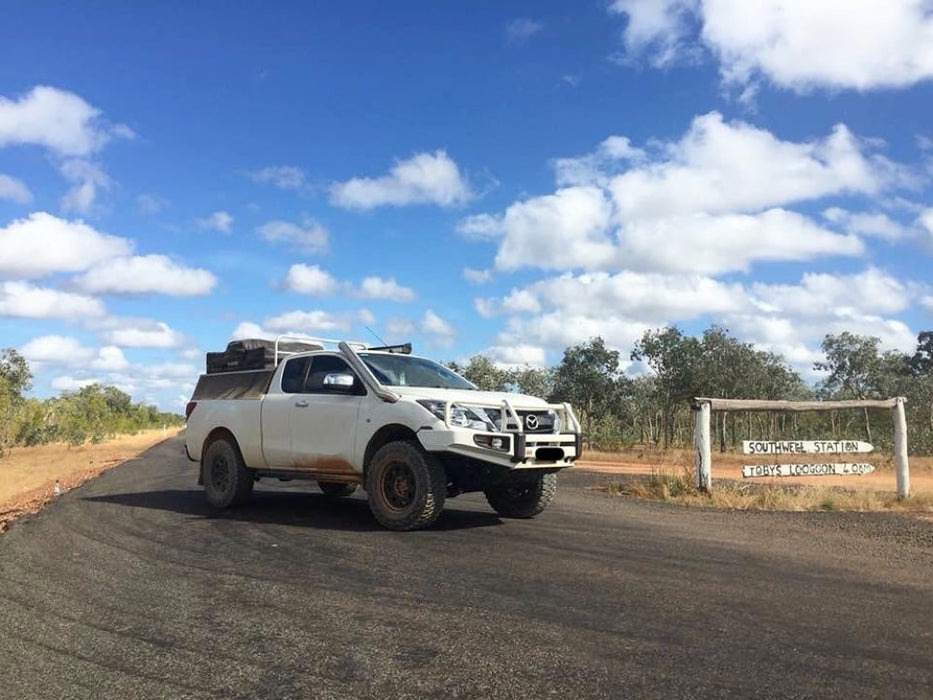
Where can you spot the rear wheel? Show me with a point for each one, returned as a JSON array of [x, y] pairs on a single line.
[[227, 479], [406, 486], [334, 489], [523, 499]]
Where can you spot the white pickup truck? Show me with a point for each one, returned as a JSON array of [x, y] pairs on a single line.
[[410, 431]]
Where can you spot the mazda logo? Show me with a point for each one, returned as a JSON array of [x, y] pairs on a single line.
[[531, 422]]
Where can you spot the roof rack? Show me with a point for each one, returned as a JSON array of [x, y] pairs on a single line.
[[311, 340]]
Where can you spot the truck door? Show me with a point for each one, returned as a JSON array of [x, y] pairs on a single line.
[[277, 414], [324, 418]]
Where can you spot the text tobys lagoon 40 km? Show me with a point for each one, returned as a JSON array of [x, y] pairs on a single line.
[[410, 431]]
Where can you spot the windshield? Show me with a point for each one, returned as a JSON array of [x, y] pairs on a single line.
[[405, 370]]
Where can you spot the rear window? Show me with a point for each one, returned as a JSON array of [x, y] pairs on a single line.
[[293, 375]]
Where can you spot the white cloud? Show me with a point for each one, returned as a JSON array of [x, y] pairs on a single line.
[[42, 244], [720, 167], [65, 351], [711, 201], [146, 273], [14, 190], [477, 276], [927, 303], [310, 279], [521, 29], [715, 244], [398, 329], [150, 204], [566, 229], [440, 331], [248, 329], [820, 294], [480, 226], [311, 237], [425, 178], [110, 358], [87, 177], [219, 221], [68, 383], [796, 44], [517, 355], [285, 177], [57, 120], [25, 300], [138, 333], [378, 288], [309, 321], [866, 224]]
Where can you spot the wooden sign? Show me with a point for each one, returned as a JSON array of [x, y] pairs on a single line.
[[828, 469], [801, 447]]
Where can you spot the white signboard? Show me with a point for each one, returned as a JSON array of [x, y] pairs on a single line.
[[801, 447], [829, 469]]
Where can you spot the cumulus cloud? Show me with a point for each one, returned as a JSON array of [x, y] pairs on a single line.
[[712, 201], [127, 332], [517, 355], [440, 332], [796, 44], [310, 279], [310, 237], [219, 221], [14, 190], [41, 244], [285, 177], [143, 274], [875, 224], [58, 120], [65, 351], [521, 29], [425, 178], [25, 300], [378, 288]]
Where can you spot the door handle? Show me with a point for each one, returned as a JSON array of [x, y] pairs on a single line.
[[301, 404]]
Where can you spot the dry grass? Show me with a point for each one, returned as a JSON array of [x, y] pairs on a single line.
[[677, 486]]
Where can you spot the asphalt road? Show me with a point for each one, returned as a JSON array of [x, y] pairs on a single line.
[[130, 587]]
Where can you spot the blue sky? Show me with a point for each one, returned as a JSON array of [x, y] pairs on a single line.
[[507, 178]]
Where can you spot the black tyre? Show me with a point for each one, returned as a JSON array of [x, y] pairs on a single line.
[[406, 486], [523, 499], [227, 480], [334, 489]]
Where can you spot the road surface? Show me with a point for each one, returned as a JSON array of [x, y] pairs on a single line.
[[130, 587]]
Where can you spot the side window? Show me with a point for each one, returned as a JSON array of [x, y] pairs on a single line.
[[321, 366], [294, 374]]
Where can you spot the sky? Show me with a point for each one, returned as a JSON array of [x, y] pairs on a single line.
[[507, 178]]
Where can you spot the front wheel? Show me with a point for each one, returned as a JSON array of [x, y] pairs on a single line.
[[406, 486], [524, 499], [227, 479]]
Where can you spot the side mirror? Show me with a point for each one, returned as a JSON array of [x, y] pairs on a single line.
[[339, 382]]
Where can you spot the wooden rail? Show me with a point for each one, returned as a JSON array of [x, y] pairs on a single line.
[[795, 406]]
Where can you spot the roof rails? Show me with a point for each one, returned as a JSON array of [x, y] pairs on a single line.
[[318, 343]]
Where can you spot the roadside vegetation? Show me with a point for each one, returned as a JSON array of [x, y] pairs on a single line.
[[619, 411], [678, 486], [91, 414]]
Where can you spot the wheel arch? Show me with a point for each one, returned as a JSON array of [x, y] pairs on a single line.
[[219, 433], [388, 433]]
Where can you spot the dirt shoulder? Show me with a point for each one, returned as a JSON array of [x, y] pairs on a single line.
[[28, 474]]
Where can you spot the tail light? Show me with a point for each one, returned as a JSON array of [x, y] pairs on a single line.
[[189, 409]]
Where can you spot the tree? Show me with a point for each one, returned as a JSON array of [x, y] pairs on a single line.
[[675, 360], [15, 379], [587, 378], [483, 373]]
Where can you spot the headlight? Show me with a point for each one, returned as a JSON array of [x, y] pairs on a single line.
[[461, 416]]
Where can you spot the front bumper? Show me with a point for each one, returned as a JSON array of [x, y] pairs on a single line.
[[519, 451]]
